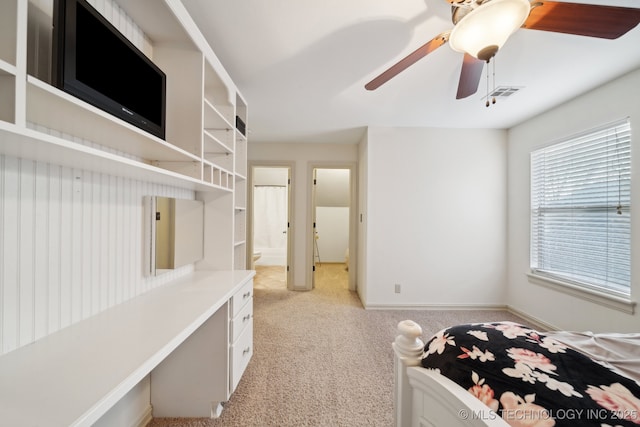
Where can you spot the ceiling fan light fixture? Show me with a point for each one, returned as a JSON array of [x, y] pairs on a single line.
[[484, 30]]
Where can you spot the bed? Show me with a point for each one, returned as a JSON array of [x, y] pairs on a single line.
[[500, 374]]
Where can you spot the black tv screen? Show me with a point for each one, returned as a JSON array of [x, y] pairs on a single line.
[[96, 63]]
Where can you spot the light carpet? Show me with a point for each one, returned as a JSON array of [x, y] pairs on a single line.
[[320, 359]]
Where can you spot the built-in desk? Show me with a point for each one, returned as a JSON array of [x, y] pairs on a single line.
[[72, 377]]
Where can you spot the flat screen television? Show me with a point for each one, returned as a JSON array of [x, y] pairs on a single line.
[[93, 61]]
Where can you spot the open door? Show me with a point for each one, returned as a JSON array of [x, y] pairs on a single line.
[[331, 224], [270, 213], [314, 237], [288, 281]]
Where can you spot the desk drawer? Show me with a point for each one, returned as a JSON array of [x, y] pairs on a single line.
[[241, 352], [240, 298], [241, 321]]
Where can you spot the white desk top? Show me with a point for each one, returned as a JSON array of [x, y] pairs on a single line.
[[72, 377]]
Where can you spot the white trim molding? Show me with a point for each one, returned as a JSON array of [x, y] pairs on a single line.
[[620, 303]]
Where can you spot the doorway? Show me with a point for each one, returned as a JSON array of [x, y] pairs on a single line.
[[332, 211], [270, 227]]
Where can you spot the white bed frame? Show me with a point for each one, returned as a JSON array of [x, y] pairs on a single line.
[[424, 398]]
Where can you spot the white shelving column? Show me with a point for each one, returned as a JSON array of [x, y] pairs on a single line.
[[240, 175]]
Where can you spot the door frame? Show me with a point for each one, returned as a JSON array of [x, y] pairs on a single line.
[[353, 219], [290, 230]]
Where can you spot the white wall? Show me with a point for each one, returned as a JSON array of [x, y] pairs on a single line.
[[615, 100], [332, 227], [332, 213], [303, 156], [435, 217]]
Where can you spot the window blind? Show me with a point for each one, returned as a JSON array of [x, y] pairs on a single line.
[[580, 209]]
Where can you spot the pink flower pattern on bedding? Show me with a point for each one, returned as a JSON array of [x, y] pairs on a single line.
[[618, 399], [531, 380]]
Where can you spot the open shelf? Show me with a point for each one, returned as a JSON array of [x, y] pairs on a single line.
[[8, 32], [7, 96], [240, 233], [219, 108], [241, 158], [52, 108], [239, 256], [218, 141], [6, 68], [38, 146], [214, 118], [217, 176]]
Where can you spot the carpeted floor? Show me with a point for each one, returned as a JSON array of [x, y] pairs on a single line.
[[320, 359]]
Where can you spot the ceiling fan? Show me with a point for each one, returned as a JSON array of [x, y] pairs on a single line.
[[481, 27]]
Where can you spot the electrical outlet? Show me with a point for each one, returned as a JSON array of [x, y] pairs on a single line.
[[397, 286]]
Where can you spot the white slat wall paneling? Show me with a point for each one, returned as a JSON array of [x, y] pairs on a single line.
[[26, 249], [41, 250], [9, 272], [67, 249]]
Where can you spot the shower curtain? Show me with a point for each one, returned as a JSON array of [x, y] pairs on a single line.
[[270, 220]]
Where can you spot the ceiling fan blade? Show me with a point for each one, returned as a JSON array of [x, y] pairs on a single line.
[[469, 76], [607, 22], [407, 61]]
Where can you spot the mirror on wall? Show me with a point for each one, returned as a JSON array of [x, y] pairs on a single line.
[[174, 237]]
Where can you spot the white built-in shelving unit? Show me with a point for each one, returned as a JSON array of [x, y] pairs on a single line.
[[202, 152]]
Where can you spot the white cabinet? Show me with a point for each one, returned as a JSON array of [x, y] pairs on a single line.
[[240, 334], [198, 376]]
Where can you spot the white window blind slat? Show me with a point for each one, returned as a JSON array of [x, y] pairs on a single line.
[[580, 209]]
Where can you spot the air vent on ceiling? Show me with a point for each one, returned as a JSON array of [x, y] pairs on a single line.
[[503, 92]]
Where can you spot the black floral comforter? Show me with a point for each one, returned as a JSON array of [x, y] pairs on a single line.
[[530, 379]]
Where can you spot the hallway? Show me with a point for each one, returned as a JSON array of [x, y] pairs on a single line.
[[273, 276]]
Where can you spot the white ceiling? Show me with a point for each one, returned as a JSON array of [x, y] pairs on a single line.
[[302, 65]]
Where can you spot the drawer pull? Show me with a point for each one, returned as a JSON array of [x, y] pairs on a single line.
[[247, 295], [247, 317], [246, 350]]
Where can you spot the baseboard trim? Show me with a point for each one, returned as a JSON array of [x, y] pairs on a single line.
[[537, 322], [436, 307], [144, 418]]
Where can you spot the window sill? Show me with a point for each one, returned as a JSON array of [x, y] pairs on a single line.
[[620, 303]]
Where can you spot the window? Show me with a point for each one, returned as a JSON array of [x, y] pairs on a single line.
[[580, 210]]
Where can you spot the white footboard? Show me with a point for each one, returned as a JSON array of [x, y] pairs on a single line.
[[424, 397]]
